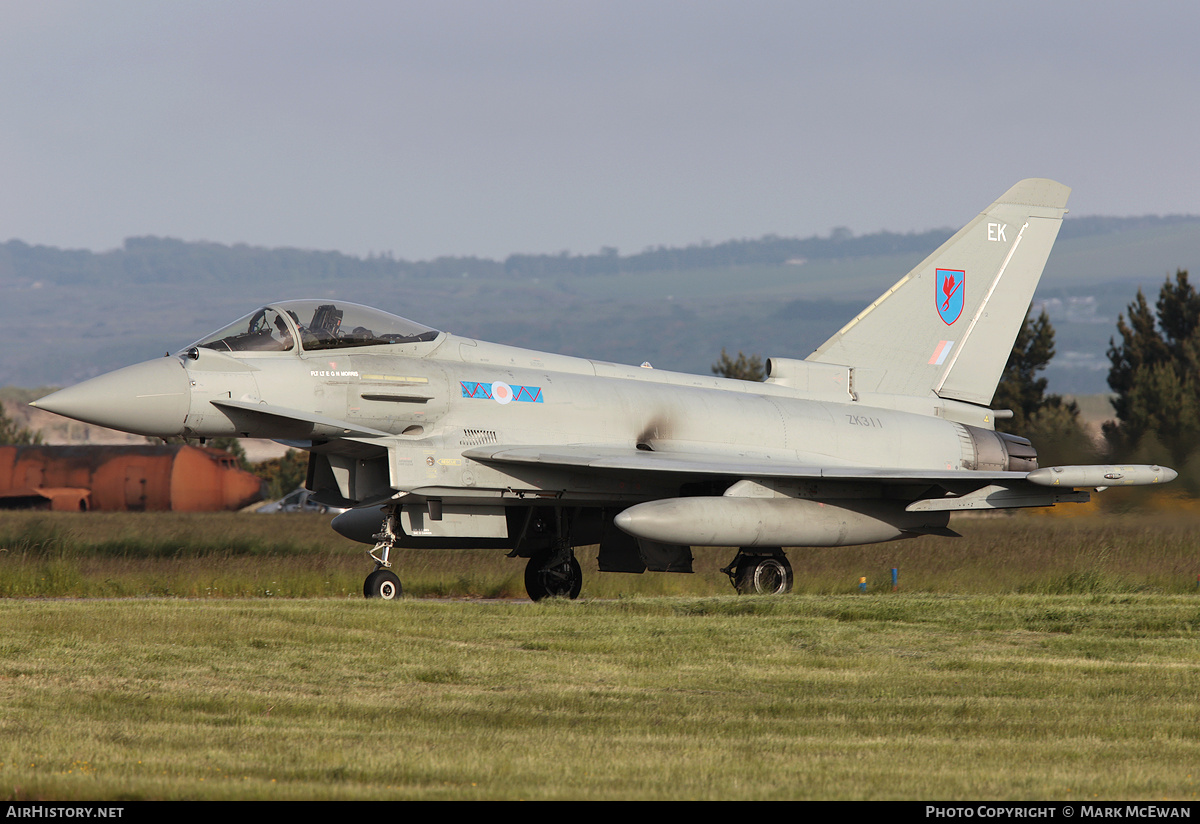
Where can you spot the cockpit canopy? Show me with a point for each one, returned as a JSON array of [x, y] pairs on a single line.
[[315, 325]]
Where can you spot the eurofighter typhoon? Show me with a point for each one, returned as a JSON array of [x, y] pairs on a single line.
[[436, 441]]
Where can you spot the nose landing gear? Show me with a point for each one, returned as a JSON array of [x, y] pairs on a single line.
[[383, 583]]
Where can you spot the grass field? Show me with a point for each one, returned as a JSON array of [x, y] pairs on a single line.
[[1038, 657], [225, 555], [928, 697]]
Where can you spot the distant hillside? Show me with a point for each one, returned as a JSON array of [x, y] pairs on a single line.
[[143, 260], [71, 314]]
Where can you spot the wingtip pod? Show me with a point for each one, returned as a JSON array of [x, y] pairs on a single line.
[[1102, 476]]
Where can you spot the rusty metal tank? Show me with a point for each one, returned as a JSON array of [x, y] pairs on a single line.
[[125, 478]]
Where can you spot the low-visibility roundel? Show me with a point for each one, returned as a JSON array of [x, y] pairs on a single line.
[[501, 392]]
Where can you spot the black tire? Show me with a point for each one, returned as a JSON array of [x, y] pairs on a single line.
[[564, 580], [764, 575], [382, 583]]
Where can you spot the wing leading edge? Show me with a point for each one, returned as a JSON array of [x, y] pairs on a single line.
[[779, 501], [606, 458]]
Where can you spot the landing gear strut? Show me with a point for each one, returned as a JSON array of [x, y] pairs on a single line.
[[760, 572], [383, 583], [553, 573]]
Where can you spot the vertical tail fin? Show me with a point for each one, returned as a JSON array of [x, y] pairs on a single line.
[[948, 326]]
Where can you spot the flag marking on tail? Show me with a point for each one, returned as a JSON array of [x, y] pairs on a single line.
[[940, 353]]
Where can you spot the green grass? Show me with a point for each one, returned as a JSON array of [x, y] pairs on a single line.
[[223, 555], [1037, 657], [881, 696]]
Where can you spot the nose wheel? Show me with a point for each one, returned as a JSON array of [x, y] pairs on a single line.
[[382, 583]]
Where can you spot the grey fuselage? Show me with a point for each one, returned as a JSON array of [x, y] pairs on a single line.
[[434, 400], [462, 439]]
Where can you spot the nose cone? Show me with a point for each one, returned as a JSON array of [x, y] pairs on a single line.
[[359, 524], [150, 398]]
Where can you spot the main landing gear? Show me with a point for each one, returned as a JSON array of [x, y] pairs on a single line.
[[552, 570], [553, 573], [760, 571]]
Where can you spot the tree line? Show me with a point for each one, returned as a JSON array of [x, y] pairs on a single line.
[[167, 260]]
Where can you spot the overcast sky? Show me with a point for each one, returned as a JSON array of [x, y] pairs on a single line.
[[458, 128]]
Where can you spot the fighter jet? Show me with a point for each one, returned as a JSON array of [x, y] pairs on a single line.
[[437, 441]]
